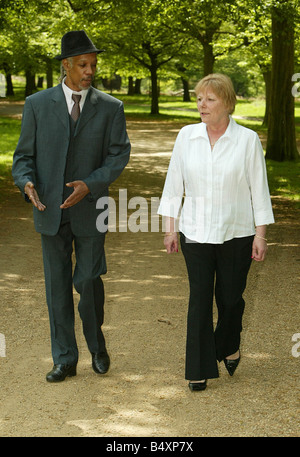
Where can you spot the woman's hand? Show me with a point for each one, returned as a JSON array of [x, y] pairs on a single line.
[[259, 249], [171, 242]]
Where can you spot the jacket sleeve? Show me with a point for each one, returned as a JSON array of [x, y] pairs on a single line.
[[23, 168], [117, 157]]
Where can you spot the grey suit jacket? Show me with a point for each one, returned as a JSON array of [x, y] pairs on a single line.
[[101, 148]]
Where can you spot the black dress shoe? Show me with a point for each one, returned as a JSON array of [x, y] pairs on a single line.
[[100, 362], [197, 386], [60, 372], [231, 365]]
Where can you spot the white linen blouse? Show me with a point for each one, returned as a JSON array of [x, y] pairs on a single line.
[[224, 190]]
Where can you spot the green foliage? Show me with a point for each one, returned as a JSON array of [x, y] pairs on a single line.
[[283, 177], [171, 30], [136, 35], [10, 132], [172, 41], [9, 135]]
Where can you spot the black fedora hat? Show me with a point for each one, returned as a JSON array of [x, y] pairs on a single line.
[[76, 43]]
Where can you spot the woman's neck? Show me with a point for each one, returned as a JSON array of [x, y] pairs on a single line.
[[216, 131]]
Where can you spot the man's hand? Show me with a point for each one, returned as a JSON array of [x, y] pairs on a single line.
[[79, 192], [32, 194]]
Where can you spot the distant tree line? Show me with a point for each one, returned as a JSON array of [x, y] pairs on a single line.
[[181, 40]]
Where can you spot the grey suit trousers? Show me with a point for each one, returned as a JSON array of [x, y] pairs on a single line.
[[59, 279]]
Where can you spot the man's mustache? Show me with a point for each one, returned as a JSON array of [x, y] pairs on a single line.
[[87, 79]]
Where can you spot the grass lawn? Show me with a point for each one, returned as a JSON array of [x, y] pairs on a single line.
[[9, 134], [283, 177]]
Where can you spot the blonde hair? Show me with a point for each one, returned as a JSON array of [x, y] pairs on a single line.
[[222, 86]]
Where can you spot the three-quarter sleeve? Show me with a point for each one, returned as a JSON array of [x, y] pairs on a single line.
[[258, 181], [171, 200]]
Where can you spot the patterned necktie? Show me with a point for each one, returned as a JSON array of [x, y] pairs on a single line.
[[76, 109]]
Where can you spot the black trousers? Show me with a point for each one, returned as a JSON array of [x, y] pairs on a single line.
[[59, 279], [219, 269]]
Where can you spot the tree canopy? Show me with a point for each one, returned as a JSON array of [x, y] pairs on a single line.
[[180, 40]]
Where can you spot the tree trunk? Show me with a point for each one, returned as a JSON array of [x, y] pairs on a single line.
[[267, 75], [186, 92], [40, 82], [130, 86], [154, 91], [30, 83], [281, 143], [9, 84], [209, 59], [49, 74], [137, 86], [185, 82]]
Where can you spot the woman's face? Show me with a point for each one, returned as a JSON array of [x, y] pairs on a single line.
[[212, 109]]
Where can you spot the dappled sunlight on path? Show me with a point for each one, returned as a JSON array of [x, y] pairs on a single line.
[[145, 393]]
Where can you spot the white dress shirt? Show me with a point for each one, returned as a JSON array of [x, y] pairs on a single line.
[[225, 189], [68, 94]]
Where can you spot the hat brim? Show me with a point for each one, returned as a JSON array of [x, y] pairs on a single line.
[[79, 53]]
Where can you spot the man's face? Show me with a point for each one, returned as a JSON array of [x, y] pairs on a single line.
[[80, 71]]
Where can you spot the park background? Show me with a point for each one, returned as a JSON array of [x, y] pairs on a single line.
[[155, 52]]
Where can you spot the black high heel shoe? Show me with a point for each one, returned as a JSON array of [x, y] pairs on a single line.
[[197, 386], [231, 365]]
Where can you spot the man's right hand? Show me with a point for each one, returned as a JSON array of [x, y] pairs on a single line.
[[31, 193]]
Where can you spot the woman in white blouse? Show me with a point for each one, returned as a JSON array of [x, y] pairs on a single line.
[[217, 185]]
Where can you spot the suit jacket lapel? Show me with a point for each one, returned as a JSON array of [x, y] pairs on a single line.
[[60, 106], [89, 110]]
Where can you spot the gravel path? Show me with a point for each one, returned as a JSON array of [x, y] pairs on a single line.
[[145, 394]]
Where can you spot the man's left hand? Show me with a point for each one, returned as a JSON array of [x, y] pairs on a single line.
[[79, 192]]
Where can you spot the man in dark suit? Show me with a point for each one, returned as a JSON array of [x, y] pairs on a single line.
[[70, 150]]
